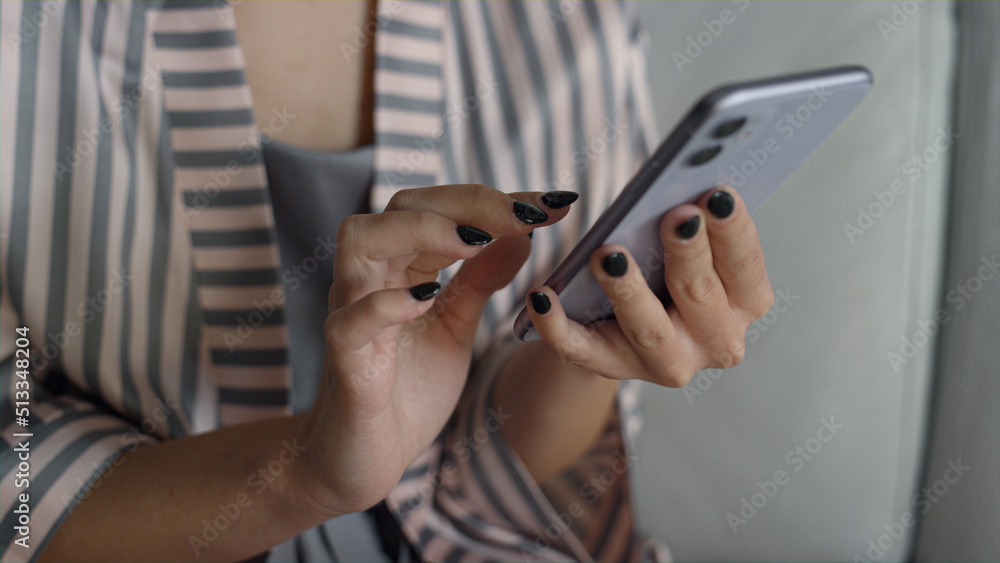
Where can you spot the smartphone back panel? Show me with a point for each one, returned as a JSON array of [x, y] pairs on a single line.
[[750, 136]]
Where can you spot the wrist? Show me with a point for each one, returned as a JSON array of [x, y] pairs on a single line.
[[557, 409], [304, 489], [333, 477]]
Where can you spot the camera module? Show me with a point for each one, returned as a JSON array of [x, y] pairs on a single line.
[[704, 155], [727, 128]]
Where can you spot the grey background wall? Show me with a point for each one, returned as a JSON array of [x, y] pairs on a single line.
[[824, 359]]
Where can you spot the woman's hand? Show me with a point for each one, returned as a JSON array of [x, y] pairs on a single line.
[[397, 351], [714, 270]]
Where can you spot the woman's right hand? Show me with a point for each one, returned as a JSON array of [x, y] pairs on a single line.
[[397, 351]]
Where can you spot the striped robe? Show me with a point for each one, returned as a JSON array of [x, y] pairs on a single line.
[[138, 242]]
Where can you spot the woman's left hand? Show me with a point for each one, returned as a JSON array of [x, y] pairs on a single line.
[[714, 270]]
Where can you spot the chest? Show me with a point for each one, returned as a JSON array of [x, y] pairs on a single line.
[[311, 60]]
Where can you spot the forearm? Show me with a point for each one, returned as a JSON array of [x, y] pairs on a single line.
[[244, 481], [557, 409]]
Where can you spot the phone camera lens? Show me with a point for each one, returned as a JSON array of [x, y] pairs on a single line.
[[727, 128], [704, 155]]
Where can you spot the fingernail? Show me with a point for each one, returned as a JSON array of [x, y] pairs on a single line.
[[529, 214], [425, 291], [721, 204], [540, 302], [688, 228], [615, 264], [558, 199], [472, 235]]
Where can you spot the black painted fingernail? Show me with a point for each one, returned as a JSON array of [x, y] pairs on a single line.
[[558, 199], [529, 214], [425, 291], [472, 235], [615, 264], [688, 228], [721, 204], [540, 302]]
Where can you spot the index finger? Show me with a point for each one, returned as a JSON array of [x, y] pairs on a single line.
[[500, 214]]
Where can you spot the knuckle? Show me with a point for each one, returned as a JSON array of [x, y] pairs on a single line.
[[425, 225], [422, 220], [479, 194], [649, 338], [481, 190], [347, 228], [759, 301], [577, 355], [765, 302], [350, 266], [729, 353], [333, 328], [574, 352], [675, 377], [399, 200], [698, 290], [747, 263], [349, 235]]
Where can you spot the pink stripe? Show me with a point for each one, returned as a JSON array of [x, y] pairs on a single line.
[[216, 138], [233, 298], [229, 219], [180, 21], [247, 257], [255, 377], [205, 182], [220, 337]]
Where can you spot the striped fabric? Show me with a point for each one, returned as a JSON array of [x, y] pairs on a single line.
[[219, 174], [469, 498], [138, 241]]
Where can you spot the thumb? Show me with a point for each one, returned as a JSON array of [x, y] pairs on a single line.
[[465, 296]]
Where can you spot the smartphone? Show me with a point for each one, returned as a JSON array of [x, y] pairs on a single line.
[[750, 136]]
